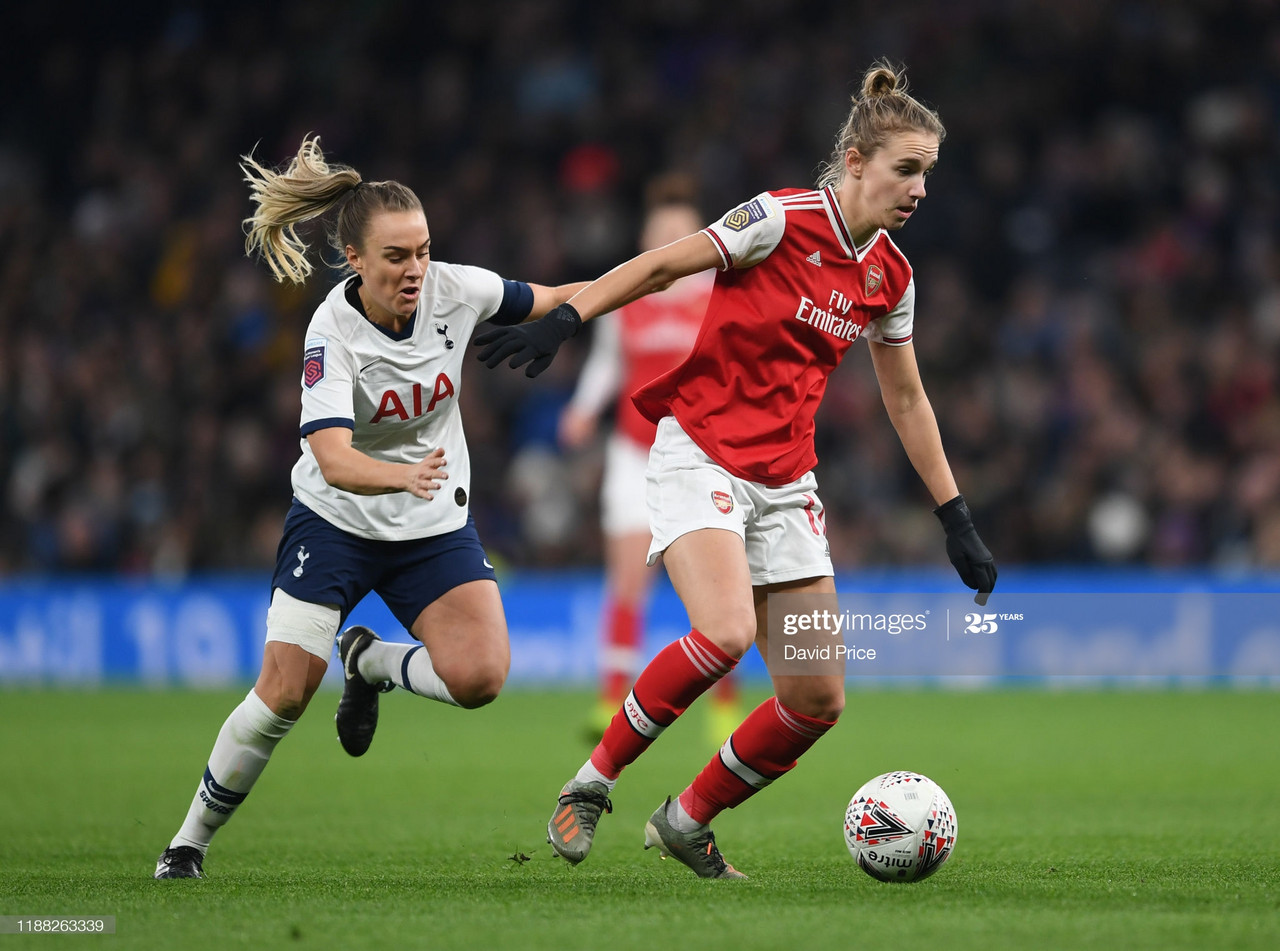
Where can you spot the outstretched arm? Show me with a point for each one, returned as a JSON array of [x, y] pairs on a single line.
[[646, 273], [536, 342], [549, 298]]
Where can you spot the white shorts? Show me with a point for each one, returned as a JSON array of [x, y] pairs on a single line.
[[622, 508], [783, 528]]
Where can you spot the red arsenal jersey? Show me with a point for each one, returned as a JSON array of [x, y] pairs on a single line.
[[656, 333], [792, 296]]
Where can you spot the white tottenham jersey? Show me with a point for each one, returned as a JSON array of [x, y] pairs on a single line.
[[398, 393]]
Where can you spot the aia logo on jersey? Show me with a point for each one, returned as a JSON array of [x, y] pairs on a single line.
[[391, 405], [313, 364], [723, 502], [875, 277]]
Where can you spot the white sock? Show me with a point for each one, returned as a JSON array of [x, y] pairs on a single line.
[[239, 756], [589, 774], [405, 665], [680, 820]]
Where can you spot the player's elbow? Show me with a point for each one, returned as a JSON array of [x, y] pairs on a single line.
[[902, 401], [332, 475], [337, 475], [663, 276], [661, 270]]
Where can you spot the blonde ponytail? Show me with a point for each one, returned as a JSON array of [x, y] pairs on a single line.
[[306, 189]]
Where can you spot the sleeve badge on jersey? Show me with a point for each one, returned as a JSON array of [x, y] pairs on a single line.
[[747, 215], [875, 277], [313, 363]]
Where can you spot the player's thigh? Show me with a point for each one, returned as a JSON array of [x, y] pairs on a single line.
[[465, 632], [697, 515], [786, 534], [622, 490], [318, 563], [820, 694], [625, 565], [708, 569], [444, 591]]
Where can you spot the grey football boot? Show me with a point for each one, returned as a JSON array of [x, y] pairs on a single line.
[[695, 849], [573, 824]]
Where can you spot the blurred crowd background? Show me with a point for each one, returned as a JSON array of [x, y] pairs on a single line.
[[1098, 273]]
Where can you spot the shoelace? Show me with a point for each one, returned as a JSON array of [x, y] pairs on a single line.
[[599, 800], [181, 853], [706, 844]]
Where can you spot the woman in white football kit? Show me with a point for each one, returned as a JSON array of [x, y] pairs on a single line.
[[381, 488], [732, 498]]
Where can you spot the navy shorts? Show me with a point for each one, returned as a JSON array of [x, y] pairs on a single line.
[[320, 563]]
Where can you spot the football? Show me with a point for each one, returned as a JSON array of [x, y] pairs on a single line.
[[900, 827]]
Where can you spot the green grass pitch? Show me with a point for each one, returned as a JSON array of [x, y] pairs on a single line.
[[1115, 819]]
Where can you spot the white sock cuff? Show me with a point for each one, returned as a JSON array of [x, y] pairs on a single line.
[[680, 820], [262, 719], [415, 673], [589, 774]]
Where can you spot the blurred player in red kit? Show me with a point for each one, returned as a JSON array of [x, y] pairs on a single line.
[[638, 343]]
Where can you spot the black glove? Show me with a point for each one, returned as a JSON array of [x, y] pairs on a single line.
[[965, 549], [536, 341]]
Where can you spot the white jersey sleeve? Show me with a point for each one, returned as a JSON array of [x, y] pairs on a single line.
[[328, 372], [895, 328], [481, 289], [602, 373], [748, 234]]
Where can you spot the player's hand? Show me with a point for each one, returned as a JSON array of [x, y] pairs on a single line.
[[424, 477], [575, 428], [974, 563], [535, 342]]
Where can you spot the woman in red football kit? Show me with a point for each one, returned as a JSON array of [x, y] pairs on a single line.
[[732, 499], [631, 347]]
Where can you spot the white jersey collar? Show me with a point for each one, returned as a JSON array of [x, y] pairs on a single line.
[[836, 217]]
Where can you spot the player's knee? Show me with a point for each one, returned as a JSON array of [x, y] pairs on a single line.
[[817, 700], [477, 691], [478, 685], [287, 699], [830, 707], [732, 635]]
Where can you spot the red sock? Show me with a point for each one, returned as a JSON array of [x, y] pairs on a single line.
[[674, 679], [621, 651], [726, 690], [765, 746]]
